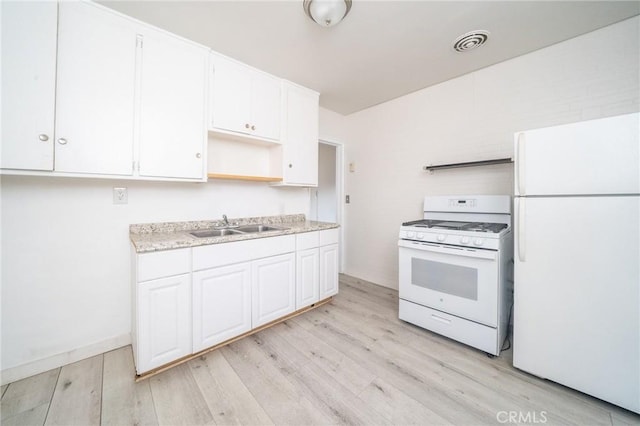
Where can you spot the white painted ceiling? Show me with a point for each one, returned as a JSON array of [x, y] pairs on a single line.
[[382, 49]]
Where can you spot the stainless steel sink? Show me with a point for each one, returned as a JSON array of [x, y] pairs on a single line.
[[246, 229], [250, 229], [209, 233]]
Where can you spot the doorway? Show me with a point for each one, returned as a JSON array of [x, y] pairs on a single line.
[[326, 199]]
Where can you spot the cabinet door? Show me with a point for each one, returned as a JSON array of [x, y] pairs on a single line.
[[301, 137], [307, 277], [221, 304], [28, 84], [592, 157], [172, 107], [328, 270], [95, 91], [273, 288], [230, 95], [163, 321], [576, 292], [265, 106]]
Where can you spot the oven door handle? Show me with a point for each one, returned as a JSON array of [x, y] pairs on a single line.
[[436, 248]]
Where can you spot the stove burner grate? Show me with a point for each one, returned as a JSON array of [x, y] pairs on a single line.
[[493, 228]]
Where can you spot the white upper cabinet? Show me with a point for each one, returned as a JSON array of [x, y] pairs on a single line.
[[28, 84], [300, 136], [172, 107], [265, 105], [95, 91], [244, 100]]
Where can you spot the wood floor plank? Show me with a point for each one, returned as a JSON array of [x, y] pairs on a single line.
[[336, 364], [270, 386], [333, 399], [486, 399], [177, 398], [78, 394], [397, 406], [540, 396], [451, 409], [538, 393], [32, 417], [376, 293], [125, 402], [287, 356], [228, 399], [329, 397], [29, 394]]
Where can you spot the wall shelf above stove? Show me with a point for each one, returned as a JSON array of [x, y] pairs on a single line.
[[432, 168]]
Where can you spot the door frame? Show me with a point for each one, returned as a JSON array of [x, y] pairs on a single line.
[[339, 194]]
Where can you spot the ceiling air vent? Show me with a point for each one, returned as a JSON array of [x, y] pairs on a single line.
[[470, 40]]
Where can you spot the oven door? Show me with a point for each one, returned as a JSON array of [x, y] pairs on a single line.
[[457, 280]]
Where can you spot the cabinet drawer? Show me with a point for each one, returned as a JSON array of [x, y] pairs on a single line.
[[307, 240], [163, 264], [330, 236], [241, 251], [468, 332]]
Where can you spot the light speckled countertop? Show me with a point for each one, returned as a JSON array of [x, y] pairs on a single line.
[[148, 237]]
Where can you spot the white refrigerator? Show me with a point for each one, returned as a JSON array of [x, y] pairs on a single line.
[[577, 257]]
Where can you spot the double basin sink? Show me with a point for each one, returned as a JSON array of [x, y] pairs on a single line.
[[245, 229]]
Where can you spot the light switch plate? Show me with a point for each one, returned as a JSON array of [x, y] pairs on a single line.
[[120, 196]]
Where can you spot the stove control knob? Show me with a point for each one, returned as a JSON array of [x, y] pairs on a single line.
[[478, 242], [464, 240], [420, 236], [441, 237], [411, 234]]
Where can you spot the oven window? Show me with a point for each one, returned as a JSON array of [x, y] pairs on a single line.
[[456, 280]]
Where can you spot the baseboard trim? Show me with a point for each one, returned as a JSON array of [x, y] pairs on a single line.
[[19, 372]]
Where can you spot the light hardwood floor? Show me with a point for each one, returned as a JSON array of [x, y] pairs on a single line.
[[348, 362]]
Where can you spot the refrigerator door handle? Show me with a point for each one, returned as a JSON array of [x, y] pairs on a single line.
[[521, 234], [520, 184]]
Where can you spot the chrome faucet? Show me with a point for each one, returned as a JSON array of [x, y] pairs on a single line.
[[226, 221]]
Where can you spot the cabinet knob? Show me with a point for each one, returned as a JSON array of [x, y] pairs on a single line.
[[43, 137], [290, 165], [253, 127], [62, 141], [246, 126], [198, 155]]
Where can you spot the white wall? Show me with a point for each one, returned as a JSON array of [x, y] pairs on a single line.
[[333, 126], [472, 118], [65, 253]]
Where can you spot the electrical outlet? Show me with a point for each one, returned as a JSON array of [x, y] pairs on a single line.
[[347, 199], [120, 196]]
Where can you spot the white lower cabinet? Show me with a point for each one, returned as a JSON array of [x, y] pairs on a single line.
[[191, 299], [307, 277], [273, 288], [328, 270], [163, 321], [221, 304], [317, 266]]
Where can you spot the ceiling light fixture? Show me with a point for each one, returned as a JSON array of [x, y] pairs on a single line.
[[470, 40], [326, 13]]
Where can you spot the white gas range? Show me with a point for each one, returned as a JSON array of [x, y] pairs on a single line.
[[456, 269]]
